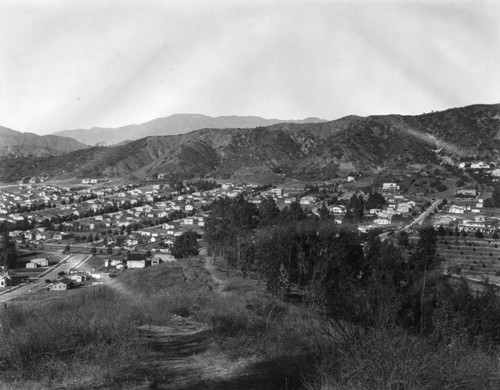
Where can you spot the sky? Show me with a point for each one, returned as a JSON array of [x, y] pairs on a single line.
[[85, 63]]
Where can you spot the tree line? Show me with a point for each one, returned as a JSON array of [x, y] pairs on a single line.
[[347, 274]]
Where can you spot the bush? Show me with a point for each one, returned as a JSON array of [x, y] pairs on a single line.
[[385, 359]]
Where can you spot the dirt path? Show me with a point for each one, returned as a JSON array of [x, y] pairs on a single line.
[[184, 356], [220, 284]]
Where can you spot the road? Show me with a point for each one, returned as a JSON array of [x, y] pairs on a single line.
[[424, 215], [71, 261], [417, 221]]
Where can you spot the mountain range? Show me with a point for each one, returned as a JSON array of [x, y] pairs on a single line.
[[174, 124], [15, 143], [301, 150]]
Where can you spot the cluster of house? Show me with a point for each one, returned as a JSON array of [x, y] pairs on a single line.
[[73, 278], [466, 214], [136, 260], [35, 263], [481, 166], [133, 261], [396, 205]]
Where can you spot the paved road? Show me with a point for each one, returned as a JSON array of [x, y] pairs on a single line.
[[70, 261]]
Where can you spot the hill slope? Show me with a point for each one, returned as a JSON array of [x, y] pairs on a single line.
[[311, 150], [15, 143], [174, 124]]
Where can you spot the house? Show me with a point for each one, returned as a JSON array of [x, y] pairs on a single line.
[[138, 264], [381, 221], [137, 260], [339, 209], [62, 236], [390, 187], [307, 200], [4, 279], [62, 285], [467, 193], [78, 277], [42, 262], [454, 209], [163, 258], [479, 165]]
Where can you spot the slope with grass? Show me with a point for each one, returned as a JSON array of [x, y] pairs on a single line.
[[190, 325]]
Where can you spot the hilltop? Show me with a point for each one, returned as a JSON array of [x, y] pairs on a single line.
[[15, 143], [310, 150]]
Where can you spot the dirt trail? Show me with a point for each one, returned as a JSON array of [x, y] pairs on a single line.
[[182, 354], [220, 284]]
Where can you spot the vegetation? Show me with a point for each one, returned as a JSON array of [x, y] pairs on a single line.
[[186, 245], [90, 339], [8, 252]]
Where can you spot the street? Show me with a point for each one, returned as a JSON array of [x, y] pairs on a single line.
[[71, 261]]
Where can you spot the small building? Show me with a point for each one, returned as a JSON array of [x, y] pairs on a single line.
[[339, 209], [390, 187], [79, 277], [4, 279], [41, 262], [137, 260], [62, 285], [138, 264], [381, 221]]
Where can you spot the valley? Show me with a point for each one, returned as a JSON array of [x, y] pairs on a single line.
[[245, 258]]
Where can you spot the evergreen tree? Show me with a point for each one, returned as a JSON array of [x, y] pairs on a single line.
[[186, 245], [8, 252]]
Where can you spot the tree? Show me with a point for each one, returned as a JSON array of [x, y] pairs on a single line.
[[323, 211], [268, 212], [67, 248], [8, 252], [186, 245], [374, 201], [93, 250]]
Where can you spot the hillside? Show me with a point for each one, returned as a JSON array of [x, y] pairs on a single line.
[[15, 143], [171, 125], [310, 150]]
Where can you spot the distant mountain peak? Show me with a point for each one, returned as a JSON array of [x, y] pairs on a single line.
[[16, 143], [171, 125]]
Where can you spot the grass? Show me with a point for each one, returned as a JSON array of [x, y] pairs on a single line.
[[89, 339]]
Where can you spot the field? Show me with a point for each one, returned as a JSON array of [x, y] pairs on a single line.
[[471, 256]]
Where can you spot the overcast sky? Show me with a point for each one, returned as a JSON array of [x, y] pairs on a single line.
[[82, 63]]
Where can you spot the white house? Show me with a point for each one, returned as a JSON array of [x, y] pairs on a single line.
[[4, 279], [381, 221], [454, 209], [137, 264], [390, 187], [339, 209], [307, 200]]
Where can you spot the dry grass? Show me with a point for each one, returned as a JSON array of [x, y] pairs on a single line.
[[89, 340]]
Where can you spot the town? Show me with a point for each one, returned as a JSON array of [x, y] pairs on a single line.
[[83, 233]]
